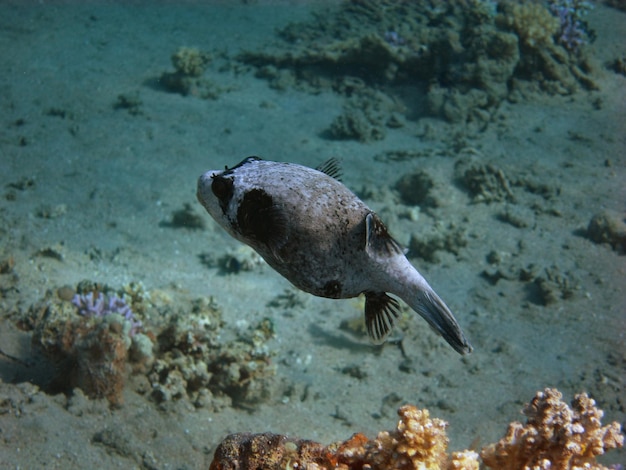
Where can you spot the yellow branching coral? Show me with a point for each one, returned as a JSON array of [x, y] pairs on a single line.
[[464, 460], [555, 436], [418, 442]]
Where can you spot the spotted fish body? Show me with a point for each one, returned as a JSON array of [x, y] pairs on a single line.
[[320, 236]]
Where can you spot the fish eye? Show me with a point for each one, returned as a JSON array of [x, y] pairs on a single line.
[[222, 187]]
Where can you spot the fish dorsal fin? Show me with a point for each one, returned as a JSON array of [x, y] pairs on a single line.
[[380, 312], [377, 239], [332, 168]]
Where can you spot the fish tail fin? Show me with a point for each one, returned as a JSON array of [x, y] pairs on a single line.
[[430, 306]]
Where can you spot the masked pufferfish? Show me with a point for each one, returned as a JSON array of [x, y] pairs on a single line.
[[321, 237]]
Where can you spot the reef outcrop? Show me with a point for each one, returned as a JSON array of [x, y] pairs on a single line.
[[555, 436]]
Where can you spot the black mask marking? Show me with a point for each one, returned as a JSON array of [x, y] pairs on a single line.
[[259, 219], [223, 190]]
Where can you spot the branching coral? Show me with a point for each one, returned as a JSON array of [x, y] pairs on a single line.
[[532, 22], [573, 31], [555, 437], [417, 443], [96, 304]]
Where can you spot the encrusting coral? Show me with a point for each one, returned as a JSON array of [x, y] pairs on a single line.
[[554, 437]]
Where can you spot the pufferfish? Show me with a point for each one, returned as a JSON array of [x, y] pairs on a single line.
[[321, 237]]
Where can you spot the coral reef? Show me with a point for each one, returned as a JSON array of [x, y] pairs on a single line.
[[435, 238], [364, 116], [190, 64], [555, 437], [418, 442], [415, 189], [464, 56], [95, 340], [92, 336], [552, 65], [484, 181], [192, 363], [90, 351]]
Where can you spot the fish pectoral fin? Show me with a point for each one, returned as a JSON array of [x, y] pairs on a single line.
[[378, 241], [278, 228], [380, 312]]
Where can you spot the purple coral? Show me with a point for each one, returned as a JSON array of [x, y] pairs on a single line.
[[102, 306], [573, 30]]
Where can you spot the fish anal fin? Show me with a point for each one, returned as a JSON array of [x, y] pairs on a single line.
[[377, 238], [332, 168], [380, 312]]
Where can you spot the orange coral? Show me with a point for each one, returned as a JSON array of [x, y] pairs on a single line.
[[555, 436], [418, 442]]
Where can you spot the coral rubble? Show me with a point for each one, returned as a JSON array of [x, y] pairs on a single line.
[[555, 437]]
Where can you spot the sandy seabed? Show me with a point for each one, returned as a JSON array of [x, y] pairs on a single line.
[[89, 187]]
